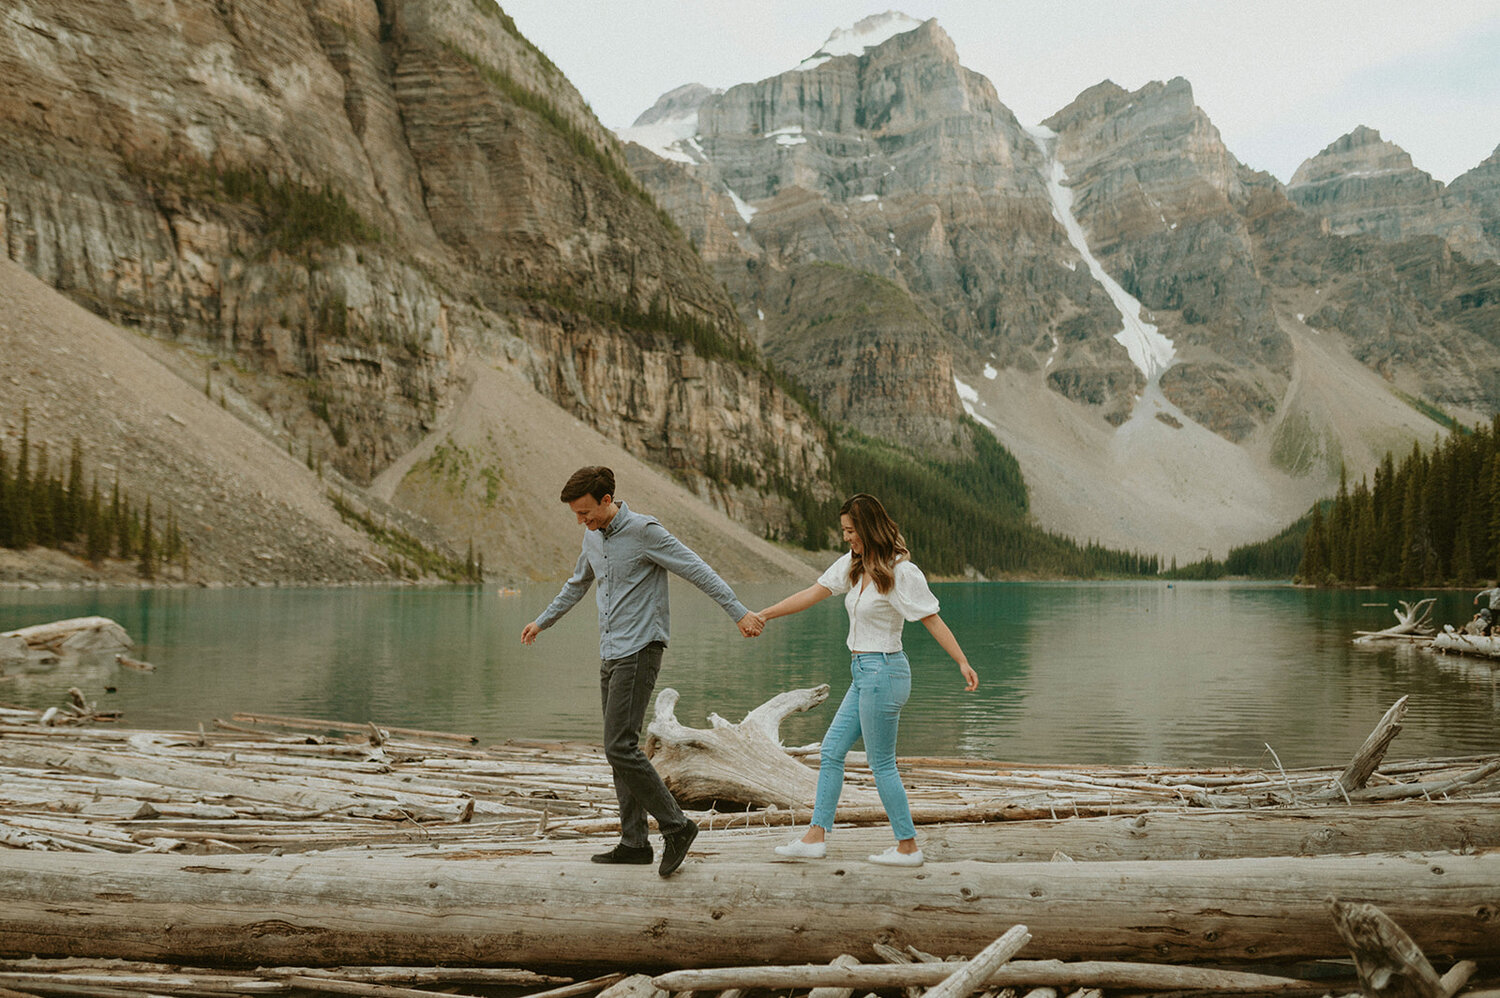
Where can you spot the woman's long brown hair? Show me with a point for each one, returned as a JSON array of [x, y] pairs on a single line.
[[879, 537]]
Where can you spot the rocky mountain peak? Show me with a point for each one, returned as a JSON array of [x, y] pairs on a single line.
[[1362, 183], [866, 34], [1361, 152], [674, 104]]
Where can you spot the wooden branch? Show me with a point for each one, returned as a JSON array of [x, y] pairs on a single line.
[[581, 988], [733, 763], [1389, 964], [1367, 759], [1412, 619], [843, 960], [1457, 976], [1016, 974], [634, 986], [360, 988], [1436, 788], [970, 977]]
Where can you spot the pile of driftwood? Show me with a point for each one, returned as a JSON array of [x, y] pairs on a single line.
[[269, 854]]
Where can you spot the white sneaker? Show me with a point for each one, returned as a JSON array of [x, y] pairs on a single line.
[[894, 857], [798, 849]]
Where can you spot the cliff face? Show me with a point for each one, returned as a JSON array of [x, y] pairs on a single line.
[[1479, 190], [1363, 184], [901, 164], [362, 197], [884, 223], [1160, 198]]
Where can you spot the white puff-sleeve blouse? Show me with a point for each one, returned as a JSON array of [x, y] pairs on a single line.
[[876, 618]]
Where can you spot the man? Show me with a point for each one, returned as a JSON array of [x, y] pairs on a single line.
[[630, 554], [1493, 606]]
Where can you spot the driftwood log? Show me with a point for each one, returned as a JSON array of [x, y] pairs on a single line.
[[1365, 761], [1412, 619], [330, 910], [1015, 974], [740, 764], [77, 635], [1389, 963]]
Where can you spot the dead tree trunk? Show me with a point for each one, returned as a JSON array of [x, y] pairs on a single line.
[[1389, 963], [1413, 619], [312, 910], [1365, 761], [742, 763]]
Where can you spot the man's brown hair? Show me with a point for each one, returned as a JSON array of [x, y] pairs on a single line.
[[594, 480]]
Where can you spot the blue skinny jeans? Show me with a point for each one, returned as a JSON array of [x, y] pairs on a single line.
[[881, 684]]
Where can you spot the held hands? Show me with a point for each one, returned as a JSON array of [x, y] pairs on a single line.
[[971, 678], [751, 624]]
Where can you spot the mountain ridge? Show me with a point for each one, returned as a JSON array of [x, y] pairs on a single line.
[[804, 167]]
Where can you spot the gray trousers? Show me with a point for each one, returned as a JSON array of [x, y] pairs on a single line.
[[625, 686]]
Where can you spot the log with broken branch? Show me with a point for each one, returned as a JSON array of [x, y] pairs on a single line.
[[1412, 619], [742, 763]]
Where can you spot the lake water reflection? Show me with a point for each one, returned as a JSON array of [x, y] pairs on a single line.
[[1134, 672]]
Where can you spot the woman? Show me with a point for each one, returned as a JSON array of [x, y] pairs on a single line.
[[884, 591]]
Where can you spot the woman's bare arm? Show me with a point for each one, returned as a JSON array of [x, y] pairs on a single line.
[[945, 639], [797, 602]]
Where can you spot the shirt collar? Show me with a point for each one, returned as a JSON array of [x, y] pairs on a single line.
[[615, 521]]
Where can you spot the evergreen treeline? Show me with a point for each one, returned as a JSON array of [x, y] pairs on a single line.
[[56, 508], [972, 513], [1433, 520], [1277, 558]]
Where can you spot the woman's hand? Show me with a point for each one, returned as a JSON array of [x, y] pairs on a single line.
[[971, 678]]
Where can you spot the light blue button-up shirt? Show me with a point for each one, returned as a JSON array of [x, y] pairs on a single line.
[[630, 559]]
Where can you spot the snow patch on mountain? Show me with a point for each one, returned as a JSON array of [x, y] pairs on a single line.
[[1149, 350], [866, 34]]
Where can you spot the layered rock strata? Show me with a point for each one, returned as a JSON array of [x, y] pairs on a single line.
[[358, 198], [1361, 184]]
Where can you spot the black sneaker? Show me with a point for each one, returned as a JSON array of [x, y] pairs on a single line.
[[674, 848], [622, 853]]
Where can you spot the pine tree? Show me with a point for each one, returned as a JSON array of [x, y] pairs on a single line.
[[1314, 567], [96, 529], [147, 565], [6, 512], [23, 526]]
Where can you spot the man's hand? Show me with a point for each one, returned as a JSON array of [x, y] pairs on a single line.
[[751, 625], [529, 633]]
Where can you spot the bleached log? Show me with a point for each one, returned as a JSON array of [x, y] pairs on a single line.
[[1389, 963], [76, 634], [843, 960], [587, 987], [742, 763], [1434, 788], [1412, 618], [970, 977], [1015, 974], [365, 908], [1367, 759], [634, 986]]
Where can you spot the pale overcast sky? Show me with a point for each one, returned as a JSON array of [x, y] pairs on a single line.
[[1280, 78]]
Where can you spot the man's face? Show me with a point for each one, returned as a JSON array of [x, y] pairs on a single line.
[[593, 513]]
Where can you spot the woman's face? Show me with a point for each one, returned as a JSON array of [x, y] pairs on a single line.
[[850, 537]]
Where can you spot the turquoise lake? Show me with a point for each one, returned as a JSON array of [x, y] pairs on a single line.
[[1187, 674]]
